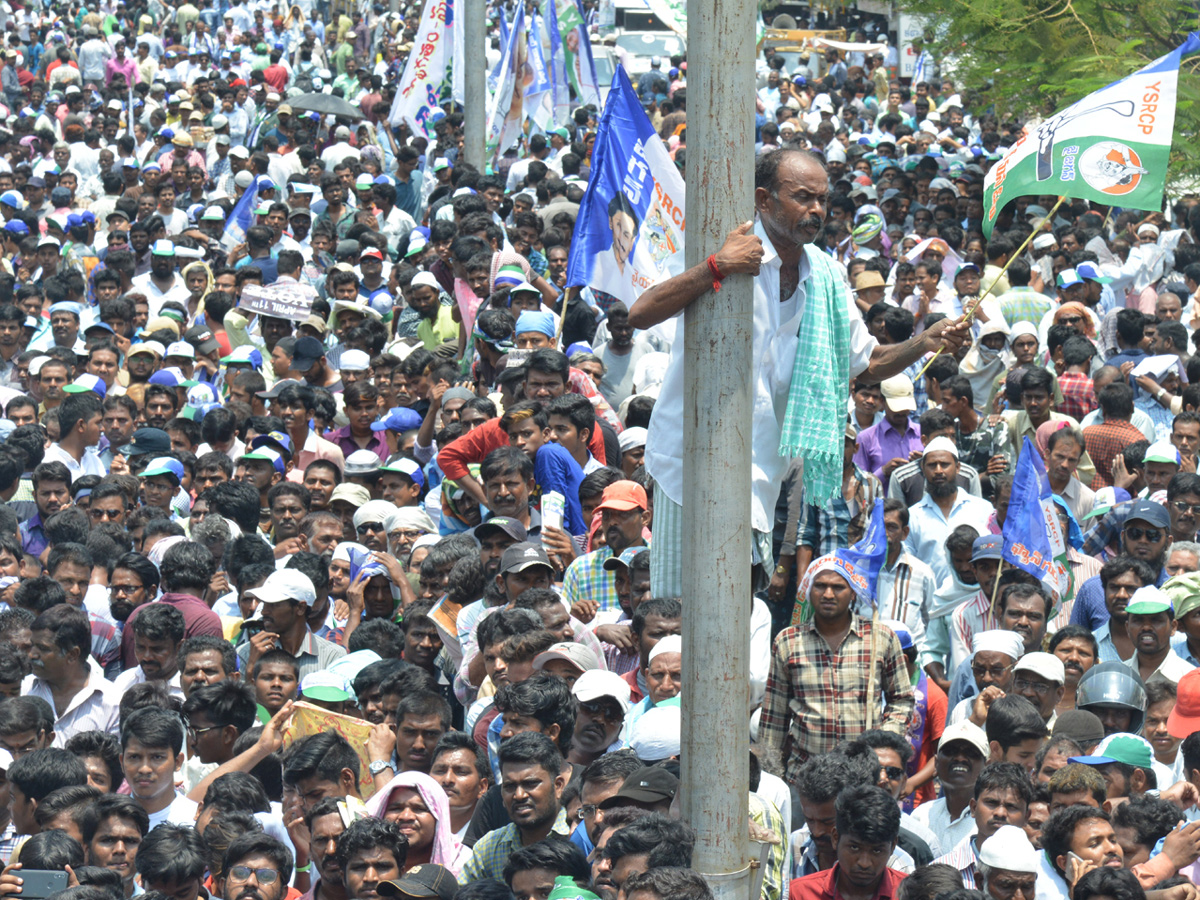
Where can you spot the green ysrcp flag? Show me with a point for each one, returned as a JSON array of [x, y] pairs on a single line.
[[1112, 146]]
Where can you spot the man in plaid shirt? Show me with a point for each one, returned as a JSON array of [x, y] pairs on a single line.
[[817, 689]]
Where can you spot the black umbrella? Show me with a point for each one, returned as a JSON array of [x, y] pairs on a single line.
[[326, 105]]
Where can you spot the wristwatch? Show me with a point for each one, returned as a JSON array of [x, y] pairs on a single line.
[[378, 766]]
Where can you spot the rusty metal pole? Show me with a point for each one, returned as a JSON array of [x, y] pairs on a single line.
[[716, 434]]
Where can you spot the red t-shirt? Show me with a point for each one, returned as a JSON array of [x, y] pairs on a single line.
[[935, 722]]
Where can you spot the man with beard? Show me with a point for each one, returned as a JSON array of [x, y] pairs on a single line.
[[325, 826], [1121, 577], [161, 284], [285, 599], [117, 425], [255, 867], [587, 585], [113, 828], [603, 702], [157, 634], [1146, 535], [944, 507], [132, 581], [51, 492], [532, 782], [140, 363], [867, 828], [369, 852]]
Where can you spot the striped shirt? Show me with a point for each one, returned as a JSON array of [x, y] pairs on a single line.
[[964, 859]]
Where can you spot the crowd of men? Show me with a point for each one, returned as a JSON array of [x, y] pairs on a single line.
[[381, 597]]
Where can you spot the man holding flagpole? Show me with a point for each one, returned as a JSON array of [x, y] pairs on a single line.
[[800, 300]]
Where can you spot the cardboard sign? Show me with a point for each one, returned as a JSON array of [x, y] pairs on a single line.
[[308, 719], [291, 301]]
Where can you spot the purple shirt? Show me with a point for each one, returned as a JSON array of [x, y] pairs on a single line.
[[348, 444], [880, 443]]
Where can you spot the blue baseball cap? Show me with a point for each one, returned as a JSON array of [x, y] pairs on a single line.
[[16, 226], [276, 440], [164, 465], [398, 419], [987, 546], [405, 466], [1090, 272]]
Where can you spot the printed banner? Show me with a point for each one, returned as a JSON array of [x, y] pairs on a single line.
[[560, 87], [309, 719], [577, 53], [539, 96], [629, 233], [281, 301], [506, 111], [1112, 146], [1033, 538], [425, 72]]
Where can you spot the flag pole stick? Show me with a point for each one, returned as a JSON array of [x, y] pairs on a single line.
[[975, 306], [996, 590]]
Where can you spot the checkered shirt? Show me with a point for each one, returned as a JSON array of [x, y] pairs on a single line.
[[1104, 441], [817, 697], [491, 852], [1079, 397]]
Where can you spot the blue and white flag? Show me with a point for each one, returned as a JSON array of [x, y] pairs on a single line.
[[241, 218], [539, 98], [860, 565], [629, 233], [506, 110], [1032, 534], [560, 87], [425, 71]]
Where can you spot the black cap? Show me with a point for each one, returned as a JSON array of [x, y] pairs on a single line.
[[307, 351], [522, 556], [152, 441], [511, 527], [422, 881], [275, 390], [201, 338], [650, 784]]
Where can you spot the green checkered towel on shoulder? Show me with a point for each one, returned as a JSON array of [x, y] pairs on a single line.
[[814, 424]]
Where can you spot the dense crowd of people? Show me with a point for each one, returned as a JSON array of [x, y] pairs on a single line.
[[340, 540]]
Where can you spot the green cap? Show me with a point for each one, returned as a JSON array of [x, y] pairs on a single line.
[[565, 888], [1126, 748], [1148, 601], [1184, 591]]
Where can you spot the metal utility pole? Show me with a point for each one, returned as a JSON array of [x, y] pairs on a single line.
[[474, 22], [716, 447]]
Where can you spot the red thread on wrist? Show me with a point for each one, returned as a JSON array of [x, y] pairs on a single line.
[[717, 274]]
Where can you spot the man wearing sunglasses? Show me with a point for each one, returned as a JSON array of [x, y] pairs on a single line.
[[1145, 535], [255, 867]]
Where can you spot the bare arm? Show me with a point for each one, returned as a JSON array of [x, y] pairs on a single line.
[[741, 254], [892, 359]]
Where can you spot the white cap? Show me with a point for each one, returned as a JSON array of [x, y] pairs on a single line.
[[631, 438], [942, 444], [966, 730], [354, 361], [1009, 849], [597, 683], [285, 584], [1044, 665], [898, 393], [425, 279], [656, 733], [672, 643], [181, 348], [1044, 242], [997, 641]]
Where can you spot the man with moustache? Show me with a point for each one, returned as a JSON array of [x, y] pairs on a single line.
[[799, 300], [325, 826], [255, 867]]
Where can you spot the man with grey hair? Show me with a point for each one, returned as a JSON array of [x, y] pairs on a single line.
[[1183, 556], [1008, 863]]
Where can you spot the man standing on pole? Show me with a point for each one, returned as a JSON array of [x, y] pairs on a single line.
[[800, 300]]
